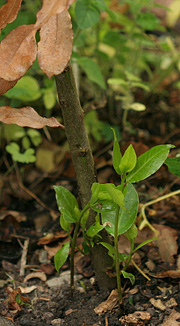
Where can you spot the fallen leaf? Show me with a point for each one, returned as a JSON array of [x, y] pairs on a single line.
[[8, 12], [40, 275], [15, 299], [137, 318], [19, 216], [26, 117], [17, 52], [109, 304], [50, 237], [167, 243], [27, 289], [5, 85], [173, 319], [55, 46], [158, 304]]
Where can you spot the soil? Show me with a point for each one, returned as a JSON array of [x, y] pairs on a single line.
[[155, 295]]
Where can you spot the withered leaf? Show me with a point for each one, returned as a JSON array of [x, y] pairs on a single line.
[[8, 12], [55, 46], [49, 9], [5, 85], [167, 243], [17, 52], [26, 117]]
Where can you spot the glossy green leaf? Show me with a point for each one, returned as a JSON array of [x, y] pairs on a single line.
[[128, 161], [116, 194], [87, 13], [67, 204], [130, 276], [144, 243], [94, 229], [173, 164], [127, 215], [149, 162], [116, 154], [104, 206], [92, 70], [61, 256]]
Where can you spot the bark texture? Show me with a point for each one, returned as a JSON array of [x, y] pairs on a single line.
[[83, 164]]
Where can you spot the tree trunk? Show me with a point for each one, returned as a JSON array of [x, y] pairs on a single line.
[[83, 164]]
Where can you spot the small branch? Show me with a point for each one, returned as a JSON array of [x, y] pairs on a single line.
[[24, 257]]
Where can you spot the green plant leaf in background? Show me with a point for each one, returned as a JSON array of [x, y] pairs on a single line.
[[26, 157], [35, 136], [67, 204], [87, 13], [173, 164], [127, 215], [27, 89], [92, 70], [49, 98], [61, 256], [116, 154], [149, 162]]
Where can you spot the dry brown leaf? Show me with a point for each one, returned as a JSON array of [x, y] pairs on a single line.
[[167, 243], [27, 289], [26, 117], [8, 12], [109, 304], [173, 319], [55, 46], [5, 85], [40, 275], [158, 304], [137, 318], [17, 52], [49, 9]]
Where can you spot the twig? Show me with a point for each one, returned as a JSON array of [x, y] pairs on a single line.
[[140, 270], [24, 257]]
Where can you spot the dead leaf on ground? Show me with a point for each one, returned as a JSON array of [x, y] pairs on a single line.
[[40, 275], [137, 318], [17, 52], [167, 243], [26, 117], [8, 12], [173, 319], [109, 304], [55, 46], [170, 273], [50, 237], [163, 305], [27, 289], [15, 299], [19, 216], [5, 85]]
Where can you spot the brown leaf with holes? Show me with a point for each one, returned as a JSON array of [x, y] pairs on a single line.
[[55, 46], [49, 9], [26, 117], [8, 12], [17, 52], [5, 85]]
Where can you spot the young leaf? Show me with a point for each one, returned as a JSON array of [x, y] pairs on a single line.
[[64, 224], [116, 154], [94, 229], [131, 234], [130, 276], [67, 204], [149, 162], [127, 215], [61, 256], [144, 243], [173, 164], [128, 160]]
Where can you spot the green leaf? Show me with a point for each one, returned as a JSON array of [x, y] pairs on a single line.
[[147, 21], [49, 99], [26, 157], [149, 162], [27, 89], [35, 136], [67, 204], [64, 224], [173, 164], [116, 194], [144, 243], [130, 276], [131, 234], [104, 206], [87, 14], [94, 229], [92, 70], [84, 219], [128, 160], [111, 251], [61, 256], [127, 215], [116, 154]]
